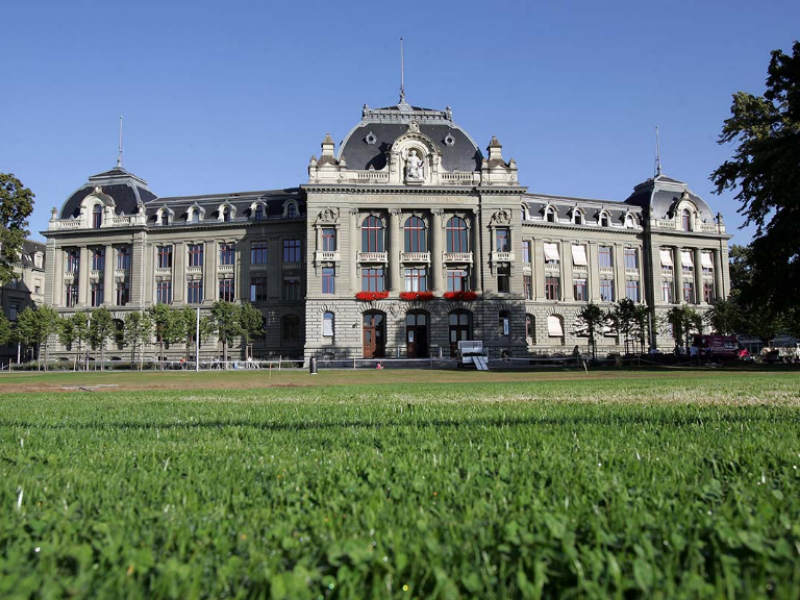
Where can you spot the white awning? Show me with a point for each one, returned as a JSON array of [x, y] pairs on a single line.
[[705, 259], [554, 328], [686, 259], [666, 258], [551, 251], [579, 256]]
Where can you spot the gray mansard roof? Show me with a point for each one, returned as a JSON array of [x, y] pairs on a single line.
[[273, 200], [660, 194], [125, 188], [366, 145], [591, 208]]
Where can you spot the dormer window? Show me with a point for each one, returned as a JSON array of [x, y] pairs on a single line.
[[550, 215], [164, 217], [226, 214], [291, 211], [604, 221], [195, 216], [577, 217], [686, 220], [97, 216], [259, 214], [629, 221]]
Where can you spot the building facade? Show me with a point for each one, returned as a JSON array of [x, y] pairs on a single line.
[[403, 241], [26, 290]]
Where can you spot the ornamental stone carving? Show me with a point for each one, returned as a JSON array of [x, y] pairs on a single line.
[[415, 166], [501, 217], [328, 215]]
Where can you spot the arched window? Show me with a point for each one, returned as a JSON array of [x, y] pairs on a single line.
[[291, 211], [165, 217], [97, 216], [550, 215], [226, 214], [504, 324], [530, 329], [457, 238], [604, 221], [686, 220], [577, 217], [259, 213], [629, 221], [328, 324], [415, 235], [372, 235], [460, 328], [290, 328], [195, 215]]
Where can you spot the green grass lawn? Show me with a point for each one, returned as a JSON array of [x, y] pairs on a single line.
[[402, 484]]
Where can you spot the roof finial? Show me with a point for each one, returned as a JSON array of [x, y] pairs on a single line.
[[402, 74], [119, 155], [658, 154]]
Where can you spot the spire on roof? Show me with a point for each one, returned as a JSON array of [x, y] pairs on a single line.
[[119, 155], [402, 75], [658, 154]]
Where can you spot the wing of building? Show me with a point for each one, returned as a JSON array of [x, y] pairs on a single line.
[[403, 241], [26, 290]]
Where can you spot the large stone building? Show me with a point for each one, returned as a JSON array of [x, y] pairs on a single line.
[[404, 241], [25, 290]]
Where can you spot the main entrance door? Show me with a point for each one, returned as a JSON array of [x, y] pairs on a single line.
[[417, 334], [460, 329], [374, 335]]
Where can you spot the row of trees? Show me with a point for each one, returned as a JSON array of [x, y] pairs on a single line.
[[161, 323]]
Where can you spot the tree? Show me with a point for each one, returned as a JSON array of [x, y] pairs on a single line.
[[641, 318], [764, 170], [35, 326], [138, 329], [683, 321], [251, 323], [101, 329], [187, 322], [6, 331], [724, 317], [26, 329], [16, 204], [625, 319], [226, 324], [74, 330], [593, 318], [165, 325]]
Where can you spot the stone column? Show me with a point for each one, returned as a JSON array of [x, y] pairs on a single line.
[[395, 284], [698, 277], [58, 277], [352, 249], [477, 252], [677, 267], [619, 273], [138, 270], [179, 273], [109, 293], [318, 229], [243, 269], [436, 252], [538, 269], [83, 277], [718, 291], [567, 292], [593, 271], [210, 272]]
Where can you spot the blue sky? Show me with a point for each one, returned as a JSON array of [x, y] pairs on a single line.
[[235, 96]]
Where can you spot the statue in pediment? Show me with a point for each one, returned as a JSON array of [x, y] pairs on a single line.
[[415, 167]]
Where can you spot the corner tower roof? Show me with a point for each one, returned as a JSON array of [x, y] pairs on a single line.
[[125, 188]]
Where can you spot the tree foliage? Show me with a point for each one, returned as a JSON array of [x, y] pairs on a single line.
[[137, 332], [101, 328], [724, 317], [16, 205], [225, 317], [34, 327], [251, 323], [764, 171], [684, 320], [6, 331], [74, 331], [593, 318]]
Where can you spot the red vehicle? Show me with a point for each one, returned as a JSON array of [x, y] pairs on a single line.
[[724, 347]]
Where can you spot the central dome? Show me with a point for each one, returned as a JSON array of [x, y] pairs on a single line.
[[366, 145]]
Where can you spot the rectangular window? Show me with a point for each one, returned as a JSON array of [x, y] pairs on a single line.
[[164, 292], [291, 288], [258, 289], [708, 292], [551, 256], [632, 290], [291, 251], [503, 239], [258, 253], [194, 291], [372, 280], [123, 293], [552, 288], [416, 280], [604, 257], [526, 252], [457, 280], [71, 295], [580, 289], [607, 290], [328, 280], [195, 255], [124, 258], [227, 254], [504, 279], [688, 292], [73, 261], [13, 312], [631, 259], [98, 259], [666, 291], [527, 286], [227, 290], [328, 239], [96, 293], [164, 257], [687, 261]]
